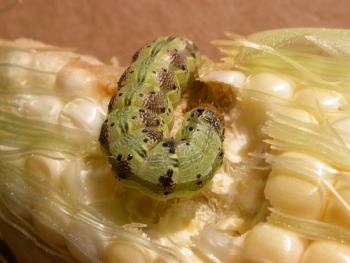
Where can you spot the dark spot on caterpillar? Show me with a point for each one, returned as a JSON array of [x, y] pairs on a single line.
[[166, 79], [154, 72], [120, 94], [171, 145], [174, 87], [199, 176], [112, 124], [169, 110], [183, 67], [155, 101], [131, 72], [141, 94], [190, 128], [183, 139], [144, 130], [148, 45], [119, 157], [170, 172], [199, 183], [221, 154], [136, 55], [149, 118], [104, 135], [176, 59], [141, 110], [167, 182], [123, 169], [112, 102], [155, 135], [145, 140], [187, 143], [105, 121], [200, 111], [162, 110], [134, 117], [129, 157], [198, 130], [171, 38], [123, 77]]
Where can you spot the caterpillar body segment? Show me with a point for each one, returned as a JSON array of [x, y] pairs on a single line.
[[141, 114]]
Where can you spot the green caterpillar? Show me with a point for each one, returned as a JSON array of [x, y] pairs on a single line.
[[136, 132]]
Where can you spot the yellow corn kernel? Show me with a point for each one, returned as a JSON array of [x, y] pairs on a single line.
[[326, 251], [325, 99], [295, 196], [271, 84], [273, 244]]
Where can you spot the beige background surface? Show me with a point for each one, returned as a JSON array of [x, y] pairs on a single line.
[[119, 27]]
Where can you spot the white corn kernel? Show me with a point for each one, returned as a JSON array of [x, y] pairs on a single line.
[[75, 80], [326, 251], [43, 108], [50, 61], [325, 99], [228, 77], [273, 244], [271, 84], [45, 168], [82, 114]]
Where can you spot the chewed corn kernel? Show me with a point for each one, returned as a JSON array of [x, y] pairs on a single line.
[[271, 84], [326, 251], [325, 99], [273, 244]]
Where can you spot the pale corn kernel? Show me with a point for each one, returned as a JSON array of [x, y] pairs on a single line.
[[271, 84], [82, 114], [45, 168], [273, 244], [336, 212], [325, 99], [50, 222], [86, 241], [75, 80], [43, 108], [125, 252], [11, 74], [228, 77], [50, 61], [295, 196], [299, 115], [326, 251]]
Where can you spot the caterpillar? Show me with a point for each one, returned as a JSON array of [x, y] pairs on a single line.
[[135, 134]]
